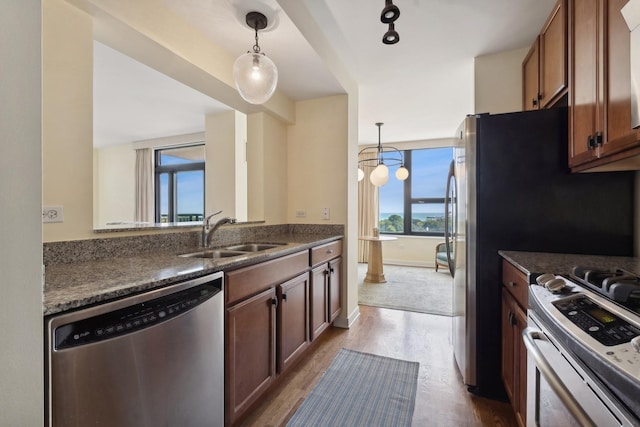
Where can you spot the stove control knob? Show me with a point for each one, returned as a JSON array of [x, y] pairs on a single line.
[[635, 343]]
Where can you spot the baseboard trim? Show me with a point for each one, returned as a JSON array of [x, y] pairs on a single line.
[[347, 322]]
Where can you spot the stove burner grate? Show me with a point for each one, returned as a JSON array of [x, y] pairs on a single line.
[[617, 285]]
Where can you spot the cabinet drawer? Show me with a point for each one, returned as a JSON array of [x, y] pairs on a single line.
[[515, 281], [250, 280], [324, 253]]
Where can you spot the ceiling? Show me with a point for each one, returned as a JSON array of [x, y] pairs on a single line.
[[421, 87]]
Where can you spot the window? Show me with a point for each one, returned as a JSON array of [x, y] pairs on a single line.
[[416, 206], [179, 184]]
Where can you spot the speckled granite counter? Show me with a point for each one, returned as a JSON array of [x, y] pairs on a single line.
[[535, 263], [73, 285]]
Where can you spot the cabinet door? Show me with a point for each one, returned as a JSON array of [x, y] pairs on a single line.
[[250, 352], [319, 300], [553, 56], [520, 371], [508, 362], [619, 134], [293, 320], [586, 79], [530, 74], [335, 273]]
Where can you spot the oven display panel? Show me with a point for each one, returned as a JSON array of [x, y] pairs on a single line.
[[599, 323]]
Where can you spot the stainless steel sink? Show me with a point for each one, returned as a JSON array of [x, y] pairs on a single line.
[[217, 253], [253, 247]]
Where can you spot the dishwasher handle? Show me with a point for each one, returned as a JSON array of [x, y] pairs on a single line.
[[530, 335]]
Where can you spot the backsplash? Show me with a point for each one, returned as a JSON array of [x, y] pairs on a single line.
[[116, 247]]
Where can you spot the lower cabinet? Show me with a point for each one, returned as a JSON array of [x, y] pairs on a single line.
[[250, 352], [274, 310], [293, 320], [514, 352], [325, 286]]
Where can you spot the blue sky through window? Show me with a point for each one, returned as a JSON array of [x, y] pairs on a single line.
[[428, 179]]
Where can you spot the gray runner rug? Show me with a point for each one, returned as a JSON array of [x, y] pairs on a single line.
[[361, 389]]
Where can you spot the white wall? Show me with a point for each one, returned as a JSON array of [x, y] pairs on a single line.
[[115, 177], [317, 161], [67, 118], [498, 82], [21, 331], [226, 170]]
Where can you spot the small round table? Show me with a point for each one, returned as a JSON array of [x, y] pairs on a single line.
[[374, 266]]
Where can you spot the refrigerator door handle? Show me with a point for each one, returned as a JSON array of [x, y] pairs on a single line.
[[448, 201]]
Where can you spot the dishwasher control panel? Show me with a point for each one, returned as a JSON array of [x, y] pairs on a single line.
[[132, 318]]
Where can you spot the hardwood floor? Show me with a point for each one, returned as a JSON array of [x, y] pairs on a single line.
[[441, 399]]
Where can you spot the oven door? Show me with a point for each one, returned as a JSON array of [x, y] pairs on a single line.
[[560, 390]]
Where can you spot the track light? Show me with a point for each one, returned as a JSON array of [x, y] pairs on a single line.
[[390, 12], [391, 36]]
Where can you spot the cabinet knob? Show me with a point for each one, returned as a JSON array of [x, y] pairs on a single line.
[[591, 142], [534, 102], [274, 301], [284, 297], [512, 284], [331, 270], [330, 251]]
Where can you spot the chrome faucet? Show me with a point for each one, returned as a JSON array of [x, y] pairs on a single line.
[[208, 229]]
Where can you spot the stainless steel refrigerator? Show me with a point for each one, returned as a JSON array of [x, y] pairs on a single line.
[[509, 188]]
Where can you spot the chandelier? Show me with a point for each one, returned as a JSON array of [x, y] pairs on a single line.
[[379, 159]]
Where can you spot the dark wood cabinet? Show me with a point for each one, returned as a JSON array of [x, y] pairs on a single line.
[[293, 320], [325, 286], [250, 352], [335, 296], [544, 69], [319, 300], [531, 78], [600, 133], [273, 311], [514, 353]]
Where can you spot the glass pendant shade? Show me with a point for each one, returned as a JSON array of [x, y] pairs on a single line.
[[380, 175], [360, 174], [255, 76], [402, 173]]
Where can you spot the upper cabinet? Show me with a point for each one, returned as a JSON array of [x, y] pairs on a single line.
[[601, 137], [544, 70]]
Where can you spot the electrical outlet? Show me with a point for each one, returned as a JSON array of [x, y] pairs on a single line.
[[301, 213], [52, 214], [325, 213]]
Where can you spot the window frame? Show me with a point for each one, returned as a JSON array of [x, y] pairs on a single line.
[[173, 170], [409, 201]]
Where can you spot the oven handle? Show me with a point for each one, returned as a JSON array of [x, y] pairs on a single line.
[[530, 335]]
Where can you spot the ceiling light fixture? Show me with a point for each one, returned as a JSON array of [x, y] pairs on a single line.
[[389, 15], [390, 12], [384, 157], [255, 75]]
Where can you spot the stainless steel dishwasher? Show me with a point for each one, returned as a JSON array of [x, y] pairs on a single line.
[[153, 359]]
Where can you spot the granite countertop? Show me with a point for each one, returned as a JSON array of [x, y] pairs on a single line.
[[74, 285], [535, 263]]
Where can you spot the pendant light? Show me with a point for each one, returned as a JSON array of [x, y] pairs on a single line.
[[379, 161], [254, 74]]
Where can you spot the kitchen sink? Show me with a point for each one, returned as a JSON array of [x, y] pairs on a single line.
[[214, 254], [253, 247]]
